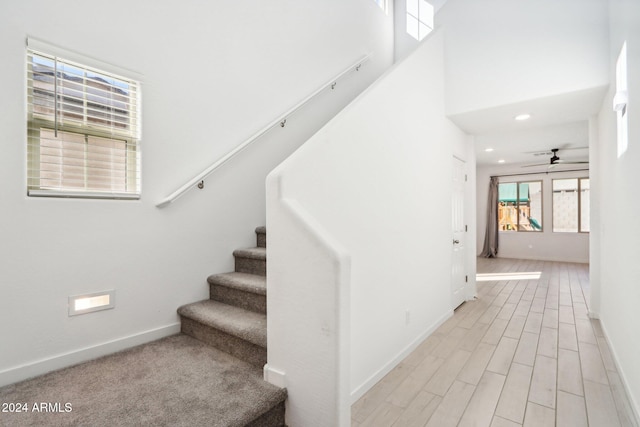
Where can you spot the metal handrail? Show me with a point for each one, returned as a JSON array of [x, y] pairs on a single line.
[[198, 180]]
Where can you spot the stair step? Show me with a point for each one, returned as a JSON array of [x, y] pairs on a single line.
[[239, 332], [241, 281], [248, 291], [174, 381], [261, 234], [274, 417], [251, 261]]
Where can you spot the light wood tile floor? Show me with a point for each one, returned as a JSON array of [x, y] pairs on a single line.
[[524, 353]]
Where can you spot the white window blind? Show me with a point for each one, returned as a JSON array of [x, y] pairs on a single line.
[[83, 130]]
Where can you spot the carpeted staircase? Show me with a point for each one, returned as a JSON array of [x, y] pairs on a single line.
[[234, 318], [212, 377]]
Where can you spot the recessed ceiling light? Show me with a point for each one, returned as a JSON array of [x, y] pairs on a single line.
[[521, 117], [488, 150], [501, 161]]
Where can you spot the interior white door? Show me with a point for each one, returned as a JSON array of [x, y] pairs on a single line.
[[458, 273]]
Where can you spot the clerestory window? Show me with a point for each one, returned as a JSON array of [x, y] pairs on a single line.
[[620, 101], [382, 4], [419, 18]]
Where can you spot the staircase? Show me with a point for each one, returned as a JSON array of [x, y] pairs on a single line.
[[234, 318]]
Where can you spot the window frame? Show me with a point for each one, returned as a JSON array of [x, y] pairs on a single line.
[[578, 208], [419, 20], [620, 101], [37, 121], [383, 4], [517, 184]]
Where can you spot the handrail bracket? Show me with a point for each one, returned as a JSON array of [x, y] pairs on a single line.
[[282, 121]]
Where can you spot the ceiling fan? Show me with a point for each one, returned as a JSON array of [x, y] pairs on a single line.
[[555, 160]]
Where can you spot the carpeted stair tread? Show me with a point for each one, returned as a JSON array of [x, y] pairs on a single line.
[[251, 260], [176, 381], [242, 281], [251, 253], [244, 324], [261, 236]]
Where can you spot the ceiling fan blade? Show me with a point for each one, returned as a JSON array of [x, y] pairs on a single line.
[[573, 148], [548, 152], [539, 152], [537, 164], [555, 160], [570, 162]]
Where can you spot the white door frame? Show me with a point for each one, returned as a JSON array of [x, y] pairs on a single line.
[[459, 270]]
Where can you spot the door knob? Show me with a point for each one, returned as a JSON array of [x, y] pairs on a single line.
[[455, 242]]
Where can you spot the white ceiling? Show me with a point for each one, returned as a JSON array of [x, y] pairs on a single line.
[[533, 146], [556, 122]]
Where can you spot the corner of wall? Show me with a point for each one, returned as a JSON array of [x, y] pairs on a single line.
[[633, 412], [40, 367]]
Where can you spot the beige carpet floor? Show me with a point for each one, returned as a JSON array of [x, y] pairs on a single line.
[[176, 381]]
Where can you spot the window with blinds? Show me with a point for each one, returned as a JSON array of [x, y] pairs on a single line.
[[83, 130]]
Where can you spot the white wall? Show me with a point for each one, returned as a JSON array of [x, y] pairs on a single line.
[[545, 245], [491, 46], [617, 292], [214, 73], [378, 179]]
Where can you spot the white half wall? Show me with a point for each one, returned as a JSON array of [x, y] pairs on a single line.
[[617, 292], [545, 245], [213, 74], [378, 179], [308, 338]]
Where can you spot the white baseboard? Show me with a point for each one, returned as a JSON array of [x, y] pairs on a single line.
[[635, 409], [546, 258], [359, 391], [275, 377], [40, 367]]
